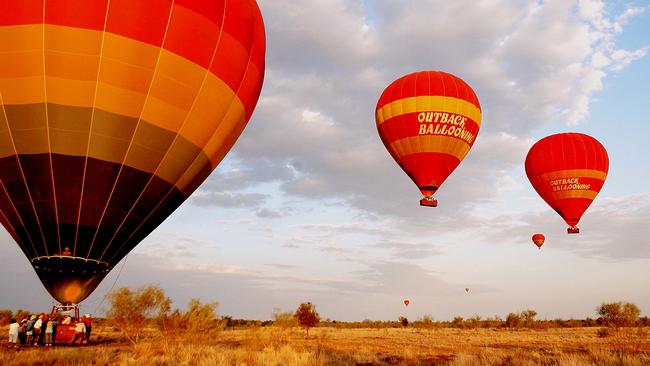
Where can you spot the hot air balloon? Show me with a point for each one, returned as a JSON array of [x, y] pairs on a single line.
[[568, 170], [428, 121], [407, 302], [466, 289], [113, 113], [538, 239]]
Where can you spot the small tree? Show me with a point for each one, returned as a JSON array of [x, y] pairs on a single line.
[[131, 310], [528, 317], [513, 320], [307, 316], [404, 321], [201, 319], [619, 314]]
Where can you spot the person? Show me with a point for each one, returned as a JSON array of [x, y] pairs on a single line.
[[13, 332], [22, 332], [29, 330], [55, 322], [41, 335], [79, 331], [49, 330], [66, 252], [66, 320], [37, 329], [89, 325]]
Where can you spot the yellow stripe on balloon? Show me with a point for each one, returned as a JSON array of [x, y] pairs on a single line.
[[573, 173], [21, 38], [428, 103], [575, 193], [182, 97], [430, 143], [125, 77]]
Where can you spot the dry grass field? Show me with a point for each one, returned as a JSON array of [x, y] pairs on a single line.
[[330, 346]]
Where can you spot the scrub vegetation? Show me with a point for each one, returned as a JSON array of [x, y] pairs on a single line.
[[198, 336]]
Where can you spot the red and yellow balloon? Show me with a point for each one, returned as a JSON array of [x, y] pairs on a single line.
[[113, 113], [538, 240], [568, 170], [428, 121]]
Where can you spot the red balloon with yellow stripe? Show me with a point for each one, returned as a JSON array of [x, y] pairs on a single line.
[[568, 170], [428, 121], [112, 114]]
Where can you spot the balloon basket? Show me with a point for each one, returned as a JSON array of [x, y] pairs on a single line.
[[67, 316], [429, 202], [573, 230], [71, 310]]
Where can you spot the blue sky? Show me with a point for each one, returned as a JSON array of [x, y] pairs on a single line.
[[308, 206]]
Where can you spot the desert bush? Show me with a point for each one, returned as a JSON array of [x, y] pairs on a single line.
[[6, 316], [644, 321], [604, 332], [132, 310], [458, 322], [513, 320], [201, 318], [197, 323], [494, 322], [404, 321], [528, 317], [284, 319], [474, 322], [619, 314], [426, 322], [307, 316]]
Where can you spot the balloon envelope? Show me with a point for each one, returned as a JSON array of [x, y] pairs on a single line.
[[568, 170], [407, 302], [113, 113], [428, 121], [538, 239]]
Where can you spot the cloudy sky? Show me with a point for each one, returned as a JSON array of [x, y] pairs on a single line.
[[309, 206]]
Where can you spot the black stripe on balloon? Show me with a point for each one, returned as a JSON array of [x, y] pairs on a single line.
[[99, 176]]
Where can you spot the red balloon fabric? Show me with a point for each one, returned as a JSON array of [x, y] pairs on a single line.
[[568, 170], [538, 239], [428, 122]]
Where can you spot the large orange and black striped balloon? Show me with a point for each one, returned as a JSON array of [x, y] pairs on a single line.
[[112, 113], [568, 170], [428, 121]]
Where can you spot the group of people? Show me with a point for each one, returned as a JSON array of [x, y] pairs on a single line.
[[41, 330]]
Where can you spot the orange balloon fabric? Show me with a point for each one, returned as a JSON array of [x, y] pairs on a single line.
[[113, 113], [568, 170], [538, 239], [428, 121], [407, 302]]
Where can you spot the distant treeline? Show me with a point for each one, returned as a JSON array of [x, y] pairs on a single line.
[[132, 310]]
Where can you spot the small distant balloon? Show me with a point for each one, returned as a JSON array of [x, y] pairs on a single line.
[[407, 302], [466, 289], [538, 239]]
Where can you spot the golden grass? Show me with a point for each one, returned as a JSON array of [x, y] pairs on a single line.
[[330, 346]]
